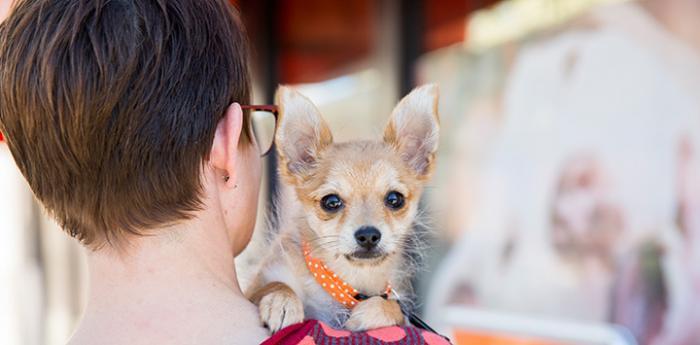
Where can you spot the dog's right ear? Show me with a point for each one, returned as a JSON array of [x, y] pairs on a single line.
[[301, 133]]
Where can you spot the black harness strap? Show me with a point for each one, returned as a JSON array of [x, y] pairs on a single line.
[[412, 318]]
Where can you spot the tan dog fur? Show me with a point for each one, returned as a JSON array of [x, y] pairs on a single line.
[[361, 173]]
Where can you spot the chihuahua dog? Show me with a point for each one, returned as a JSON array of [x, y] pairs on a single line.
[[344, 225]]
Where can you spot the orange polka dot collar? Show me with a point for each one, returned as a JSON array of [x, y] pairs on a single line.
[[340, 290]]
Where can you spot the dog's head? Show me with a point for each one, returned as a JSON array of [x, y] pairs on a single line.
[[360, 197]]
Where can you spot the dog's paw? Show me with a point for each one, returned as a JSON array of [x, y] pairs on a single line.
[[375, 312], [280, 308]]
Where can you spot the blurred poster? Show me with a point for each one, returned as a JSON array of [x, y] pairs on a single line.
[[574, 181]]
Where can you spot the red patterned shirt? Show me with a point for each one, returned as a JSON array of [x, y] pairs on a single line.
[[314, 332]]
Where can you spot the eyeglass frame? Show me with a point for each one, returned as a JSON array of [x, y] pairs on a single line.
[[270, 108]]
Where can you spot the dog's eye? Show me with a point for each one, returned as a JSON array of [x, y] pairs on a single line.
[[331, 203], [394, 200]]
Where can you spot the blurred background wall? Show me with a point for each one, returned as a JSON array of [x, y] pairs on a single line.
[[566, 205]]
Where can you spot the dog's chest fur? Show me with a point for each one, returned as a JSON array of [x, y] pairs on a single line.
[[289, 268]]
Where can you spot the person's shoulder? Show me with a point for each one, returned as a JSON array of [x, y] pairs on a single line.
[[224, 323], [232, 325], [217, 334]]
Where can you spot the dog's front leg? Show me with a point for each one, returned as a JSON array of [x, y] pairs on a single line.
[[375, 312], [278, 305]]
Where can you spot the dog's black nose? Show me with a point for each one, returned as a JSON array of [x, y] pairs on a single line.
[[368, 237]]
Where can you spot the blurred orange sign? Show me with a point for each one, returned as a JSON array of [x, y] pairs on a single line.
[[463, 337]]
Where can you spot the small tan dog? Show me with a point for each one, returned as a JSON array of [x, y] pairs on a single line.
[[344, 226]]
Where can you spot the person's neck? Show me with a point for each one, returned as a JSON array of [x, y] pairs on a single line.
[[190, 255], [184, 255], [172, 284]]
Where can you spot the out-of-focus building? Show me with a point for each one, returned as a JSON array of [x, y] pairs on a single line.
[[572, 176]]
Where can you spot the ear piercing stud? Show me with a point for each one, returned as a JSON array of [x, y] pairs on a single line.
[[226, 178]]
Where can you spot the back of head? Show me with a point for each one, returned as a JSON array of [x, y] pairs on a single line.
[[109, 107]]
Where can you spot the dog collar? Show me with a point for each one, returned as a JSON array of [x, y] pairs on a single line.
[[339, 289]]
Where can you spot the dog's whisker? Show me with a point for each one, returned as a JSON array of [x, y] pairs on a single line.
[[322, 240], [324, 243], [324, 236], [321, 243]]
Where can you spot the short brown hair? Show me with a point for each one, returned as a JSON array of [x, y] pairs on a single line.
[[110, 107]]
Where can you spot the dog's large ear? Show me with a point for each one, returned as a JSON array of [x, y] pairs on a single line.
[[413, 129], [301, 133]]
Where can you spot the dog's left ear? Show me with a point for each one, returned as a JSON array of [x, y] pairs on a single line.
[[413, 129]]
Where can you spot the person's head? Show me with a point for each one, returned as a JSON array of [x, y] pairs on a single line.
[[124, 115]]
